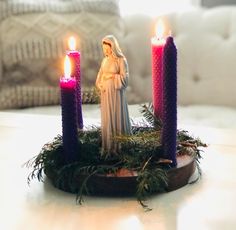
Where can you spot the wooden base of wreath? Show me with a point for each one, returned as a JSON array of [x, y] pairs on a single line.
[[124, 183]]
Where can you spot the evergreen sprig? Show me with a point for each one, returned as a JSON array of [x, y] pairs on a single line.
[[148, 114], [150, 180]]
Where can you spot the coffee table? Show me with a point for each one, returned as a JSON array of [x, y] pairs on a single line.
[[207, 204]]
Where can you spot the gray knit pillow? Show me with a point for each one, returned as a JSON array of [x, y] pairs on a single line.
[[19, 7], [33, 46]]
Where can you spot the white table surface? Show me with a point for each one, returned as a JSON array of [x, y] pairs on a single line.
[[207, 204]]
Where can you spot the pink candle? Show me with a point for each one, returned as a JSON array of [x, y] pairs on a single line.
[[157, 43], [74, 56]]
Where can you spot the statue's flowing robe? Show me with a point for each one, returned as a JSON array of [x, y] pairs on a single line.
[[114, 109]]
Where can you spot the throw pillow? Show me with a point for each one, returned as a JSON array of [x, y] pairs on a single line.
[[33, 43]]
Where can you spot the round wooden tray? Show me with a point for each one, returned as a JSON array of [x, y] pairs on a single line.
[[124, 183]]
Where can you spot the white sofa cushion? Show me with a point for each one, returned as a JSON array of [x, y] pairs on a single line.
[[206, 44], [206, 41]]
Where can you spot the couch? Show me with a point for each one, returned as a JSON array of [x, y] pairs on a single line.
[[31, 57]]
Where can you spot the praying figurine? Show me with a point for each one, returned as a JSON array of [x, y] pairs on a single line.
[[112, 80]]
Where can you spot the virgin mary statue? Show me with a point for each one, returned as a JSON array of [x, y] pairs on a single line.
[[112, 80]]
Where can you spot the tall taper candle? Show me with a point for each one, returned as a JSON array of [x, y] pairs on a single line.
[[157, 43], [169, 131], [74, 56], [68, 109]]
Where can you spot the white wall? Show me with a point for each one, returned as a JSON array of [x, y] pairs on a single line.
[[156, 7]]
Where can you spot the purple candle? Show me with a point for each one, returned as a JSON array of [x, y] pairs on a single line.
[[169, 131], [74, 56], [68, 108]]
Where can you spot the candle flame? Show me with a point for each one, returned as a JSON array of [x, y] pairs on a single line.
[[160, 29], [72, 43], [67, 67]]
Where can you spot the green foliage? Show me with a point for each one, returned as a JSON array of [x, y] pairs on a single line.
[[140, 152], [90, 145], [189, 145], [148, 114], [150, 180]]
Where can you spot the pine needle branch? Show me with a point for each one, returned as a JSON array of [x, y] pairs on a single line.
[[148, 114]]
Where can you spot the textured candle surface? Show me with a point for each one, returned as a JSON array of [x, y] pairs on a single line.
[[157, 79], [75, 72], [169, 131], [69, 122]]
